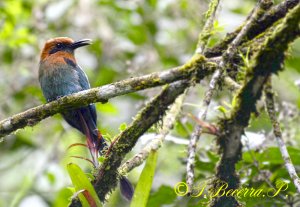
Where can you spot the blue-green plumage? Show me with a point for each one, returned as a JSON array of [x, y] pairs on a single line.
[[64, 80]]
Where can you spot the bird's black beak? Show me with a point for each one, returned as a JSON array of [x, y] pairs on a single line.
[[80, 43]]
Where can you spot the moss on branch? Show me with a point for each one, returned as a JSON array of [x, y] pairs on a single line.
[[106, 177], [268, 60], [152, 112], [157, 141], [102, 94], [263, 23]]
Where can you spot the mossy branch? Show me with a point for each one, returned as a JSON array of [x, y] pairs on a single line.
[[154, 110], [106, 176], [207, 30], [157, 141], [269, 59], [203, 39], [264, 22], [102, 94], [265, 61]]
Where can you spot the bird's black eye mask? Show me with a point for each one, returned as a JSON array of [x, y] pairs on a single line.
[[58, 47]]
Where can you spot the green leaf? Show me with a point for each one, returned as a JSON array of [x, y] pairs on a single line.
[[143, 187], [51, 178], [234, 101], [181, 129], [82, 183], [122, 127], [164, 195], [101, 159], [152, 3], [107, 108], [222, 109], [107, 137], [60, 199]]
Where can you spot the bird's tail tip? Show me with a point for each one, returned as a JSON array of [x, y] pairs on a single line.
[[126, 188]]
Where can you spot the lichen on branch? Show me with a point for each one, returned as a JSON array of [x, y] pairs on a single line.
[[102, 94], [266, 21], [268, 60]]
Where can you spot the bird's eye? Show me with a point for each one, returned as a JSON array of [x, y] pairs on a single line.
[[59, 45]]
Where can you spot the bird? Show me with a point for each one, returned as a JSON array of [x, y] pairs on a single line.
[[60, 75]]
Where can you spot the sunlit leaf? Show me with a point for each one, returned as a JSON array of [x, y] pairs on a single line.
[[82, 183], [164, 195], [143, 188], [122, 127]]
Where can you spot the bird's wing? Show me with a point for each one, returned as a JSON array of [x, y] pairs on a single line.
[[84, 82], [83, 79]]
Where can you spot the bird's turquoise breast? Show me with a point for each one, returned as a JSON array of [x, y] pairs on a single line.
[[58, 81]]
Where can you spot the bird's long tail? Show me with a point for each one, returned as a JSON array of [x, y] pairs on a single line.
[[96, 143], [126, 188], [95, 140]]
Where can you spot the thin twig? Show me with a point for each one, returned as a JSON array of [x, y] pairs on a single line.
[[231, 84], [190, 174], [278, 135], [202, 42], [206, 32], [257, 13], [261, 172]]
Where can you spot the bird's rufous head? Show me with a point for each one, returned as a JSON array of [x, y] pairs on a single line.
[[62, 45]]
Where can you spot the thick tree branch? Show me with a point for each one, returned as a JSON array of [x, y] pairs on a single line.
[[269, 59], [32, 116], [158, 140], [106, 178], [225, 63], [267, 20]]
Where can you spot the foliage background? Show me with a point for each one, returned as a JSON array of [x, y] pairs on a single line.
[[130, 38]]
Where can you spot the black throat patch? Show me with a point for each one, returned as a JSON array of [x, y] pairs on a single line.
[[70, 62]]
